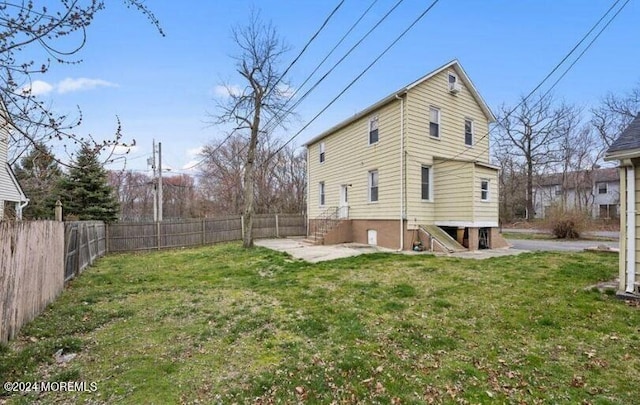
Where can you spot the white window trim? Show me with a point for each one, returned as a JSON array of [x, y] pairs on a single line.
[[370, 185], [451, 73], [606, 187], [322, 191], [473, 133], [430, 167], [488, 199], [371, 119], [439, 122], [322, 157]]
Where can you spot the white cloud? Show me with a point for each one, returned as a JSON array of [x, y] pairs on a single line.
[[195, 151], [38, 88], [226, 91], [82, 83]]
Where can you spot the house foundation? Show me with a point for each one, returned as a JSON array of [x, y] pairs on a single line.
[[386, 233]]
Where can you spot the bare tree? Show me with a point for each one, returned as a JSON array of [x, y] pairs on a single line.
[[261, 100], [279, 177], [614, 114], [56, 30], [134, 191], [531, 133]]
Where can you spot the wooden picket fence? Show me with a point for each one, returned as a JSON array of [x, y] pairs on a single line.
[[31, 276]]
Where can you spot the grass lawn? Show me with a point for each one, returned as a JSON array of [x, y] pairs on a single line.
[[223, 325]]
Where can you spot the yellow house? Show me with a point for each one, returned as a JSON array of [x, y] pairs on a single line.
[[409, 172], [626, 149]]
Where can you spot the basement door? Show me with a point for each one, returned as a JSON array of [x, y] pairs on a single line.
[[343, 211]]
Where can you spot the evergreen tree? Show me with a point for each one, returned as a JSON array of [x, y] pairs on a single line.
[[39, 174], [85, 192]]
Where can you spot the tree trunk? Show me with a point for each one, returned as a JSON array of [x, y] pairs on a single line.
[[247, 241]]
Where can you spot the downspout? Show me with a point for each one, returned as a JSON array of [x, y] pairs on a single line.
[[401, 98], [631, 229], [20, 208], [308, 192]]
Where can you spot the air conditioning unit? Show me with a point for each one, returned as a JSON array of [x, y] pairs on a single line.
[[455, 87]]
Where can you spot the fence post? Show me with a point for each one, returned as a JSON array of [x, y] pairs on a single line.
[[106, 238], [58, 211], [158, 235], [277, 227], [204, 236], [242, 226]]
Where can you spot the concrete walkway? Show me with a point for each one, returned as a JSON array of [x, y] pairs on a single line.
[[299, 249]]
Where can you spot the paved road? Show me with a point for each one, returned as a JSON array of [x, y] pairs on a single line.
[[599, 234], [551, 245]]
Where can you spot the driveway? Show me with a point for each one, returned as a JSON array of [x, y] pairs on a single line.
[[596, 234], [558, 245]]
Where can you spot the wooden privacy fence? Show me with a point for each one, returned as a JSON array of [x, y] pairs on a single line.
[[84, 242], [38, 257], [31, 277], [132, 236]]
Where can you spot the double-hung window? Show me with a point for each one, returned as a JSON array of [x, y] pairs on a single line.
[[321, 191], [602, 188], [468, 132], [373, 186], [426, 183], [484, 190], [373, 130], [434, 122], [321, 152]]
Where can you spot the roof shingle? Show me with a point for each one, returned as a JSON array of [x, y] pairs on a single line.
[[629, 138]]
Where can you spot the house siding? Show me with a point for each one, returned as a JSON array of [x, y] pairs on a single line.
[[486, 211], [454, 109], [348, 160], [8, 189], [454, 180], [453, 196]]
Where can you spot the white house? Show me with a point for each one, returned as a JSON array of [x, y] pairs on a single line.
[[597, 191]]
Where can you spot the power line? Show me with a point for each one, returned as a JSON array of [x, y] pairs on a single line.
[[506, 117], [402, 34], [313, 37], [297, 103]]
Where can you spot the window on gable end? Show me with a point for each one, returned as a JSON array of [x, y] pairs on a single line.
[[434, 122], [321, 152], [373, 130]]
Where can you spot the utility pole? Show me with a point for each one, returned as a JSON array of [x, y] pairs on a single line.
[[153, 181], [160, 181]]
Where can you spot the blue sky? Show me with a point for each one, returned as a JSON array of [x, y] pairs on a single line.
[[165, 87]]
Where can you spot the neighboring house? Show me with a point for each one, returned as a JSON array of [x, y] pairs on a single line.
[[596, 191], [626, 149], [10, 190], [413, 166]]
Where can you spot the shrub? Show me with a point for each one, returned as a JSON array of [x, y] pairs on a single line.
[[566, 224]]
